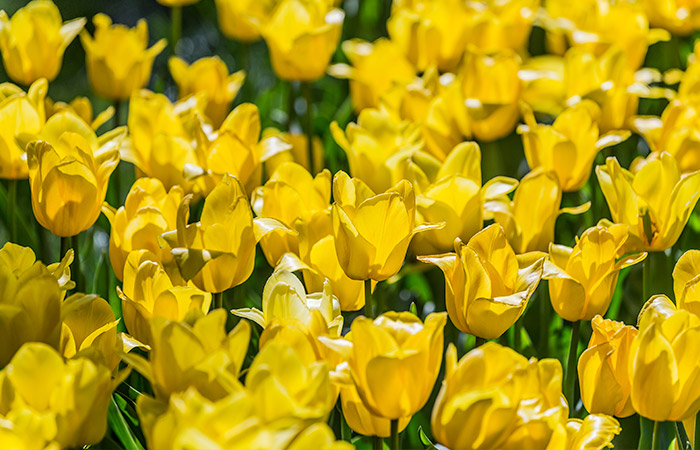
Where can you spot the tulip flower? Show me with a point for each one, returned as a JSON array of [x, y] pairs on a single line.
[[211, 363], [176, 3], [663, 368], [149, 292], [430, 32], [82, 107], [570, 145], [290, 195], [297, 152], [70, 398], [302, 37], [307, 395], [238, 18], [529, 219], [685, 282], [32, 42], [148, 212], [218, 252], [361, 420], [69, 168], [655, 202], [596, 431], [20, 114], [603, 368], [582, 279], [393, 361], [495, 26], [210, 76], [375, 68], [677, 17], [160, 144], [371, 142], [372, 232], [117, 58], [487, 285]]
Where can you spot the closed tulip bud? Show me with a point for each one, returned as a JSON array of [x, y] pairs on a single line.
[[209, 76], [372, 232], [237, 18], [361, 420], [570, 145], [32, 42], [677, 17], [529, 219], [149, 292], [495, 26], [117, 58], [603, 368], [160, 144], [71, 397], [69, 169], [20, 114], [686, 286], [302, 36], [662, 365], [392, 361], [375, 69], [211, 363], [307, 394], [290, 195], [148, 212], [487, 285], [582, 279], [655, 202]]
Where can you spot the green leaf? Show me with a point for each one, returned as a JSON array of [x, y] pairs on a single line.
[[425, 440], [121, 428]]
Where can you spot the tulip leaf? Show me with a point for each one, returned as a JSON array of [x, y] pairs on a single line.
[[121, 428], [425, 440]]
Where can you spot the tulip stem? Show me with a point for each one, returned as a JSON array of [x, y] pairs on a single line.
[[306, 88], [79, 278], [395, 435], [479, 341], [377, 443], [570, 385], [218, 300], [291, 112], [368, 299], [645, 433], [175, 26], [544, 321], [646, 278], [65, 245], [696, 437], [11, 208], [656, 437], [682, 437]]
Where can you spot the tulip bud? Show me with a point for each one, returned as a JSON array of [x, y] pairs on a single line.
[[685, 282], [237, 18], [487, 285], [677, 17], [117, 59], [582, 279], [35, 26], [361, 420]]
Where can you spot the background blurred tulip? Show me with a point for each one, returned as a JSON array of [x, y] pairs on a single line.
[[685, 282]]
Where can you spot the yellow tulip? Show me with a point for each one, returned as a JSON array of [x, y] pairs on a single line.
[[372, 232], [655, 202], [297, 152], [663, 366], [82, 107], [20, 114], [595, 432], [484, 97], [201, 355], [210, 76], [371, 143], [302, 36], [495, 26], [148, 212], [283, 385], [69, 169], [685, 282], [361, 420], [451, 192], [117, 59], [582, 279], [176, 3], [393, 361], [32, 42], [529, 219], [677, 17], [290, 195], [160, 143], [71, 398], [238, 18], [375, 69], [487, 285], [430, 32], [149, 292], [675, 132], [23, 430], [603, 368], [569, 146]]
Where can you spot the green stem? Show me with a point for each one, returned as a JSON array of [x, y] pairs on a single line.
[[65, 245], [175, 26], [517, 330], [681, 436], [696, 436], [570, 384], [291, 98], [646, 278], [368, 299], [656, 437], [218, 300], [11, 208], [377, 443], [479, 341], [395, 435], [306, 88], [544, 321], [117, 173], [79, 278], [645, 433]]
